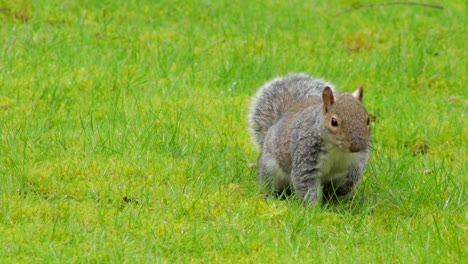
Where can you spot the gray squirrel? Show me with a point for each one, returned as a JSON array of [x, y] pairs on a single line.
[[312, 139]]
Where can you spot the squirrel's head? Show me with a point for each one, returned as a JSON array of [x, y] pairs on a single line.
[[346, 120]]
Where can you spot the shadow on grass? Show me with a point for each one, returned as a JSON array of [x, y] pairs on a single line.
[[357, 205]]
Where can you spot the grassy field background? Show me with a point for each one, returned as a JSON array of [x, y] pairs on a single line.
[[123, 131]]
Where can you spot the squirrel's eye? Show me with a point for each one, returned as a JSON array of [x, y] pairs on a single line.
[[334, 123]]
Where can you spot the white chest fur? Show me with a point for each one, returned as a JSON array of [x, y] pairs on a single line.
[[335, 164]]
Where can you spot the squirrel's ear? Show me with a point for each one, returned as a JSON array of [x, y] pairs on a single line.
[[359, 93], [328, 98]]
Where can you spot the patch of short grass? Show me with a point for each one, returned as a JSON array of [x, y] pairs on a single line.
[[123, 131]]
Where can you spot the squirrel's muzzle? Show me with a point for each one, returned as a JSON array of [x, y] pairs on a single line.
[[356, 145]]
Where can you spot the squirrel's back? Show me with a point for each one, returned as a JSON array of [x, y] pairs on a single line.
[[276, 97]]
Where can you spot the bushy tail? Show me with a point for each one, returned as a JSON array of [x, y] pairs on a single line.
[[275, 98]]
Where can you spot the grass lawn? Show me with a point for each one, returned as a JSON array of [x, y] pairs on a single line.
[[123, 131]]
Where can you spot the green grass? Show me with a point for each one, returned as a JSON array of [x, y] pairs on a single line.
[[123, 131]]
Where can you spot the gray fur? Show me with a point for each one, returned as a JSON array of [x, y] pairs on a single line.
[[287, 124], [274, 99]]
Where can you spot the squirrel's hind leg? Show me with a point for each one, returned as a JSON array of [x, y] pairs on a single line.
[[272, 178]]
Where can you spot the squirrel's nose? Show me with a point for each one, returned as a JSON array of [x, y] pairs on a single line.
[[356, 145], [355, 148]]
